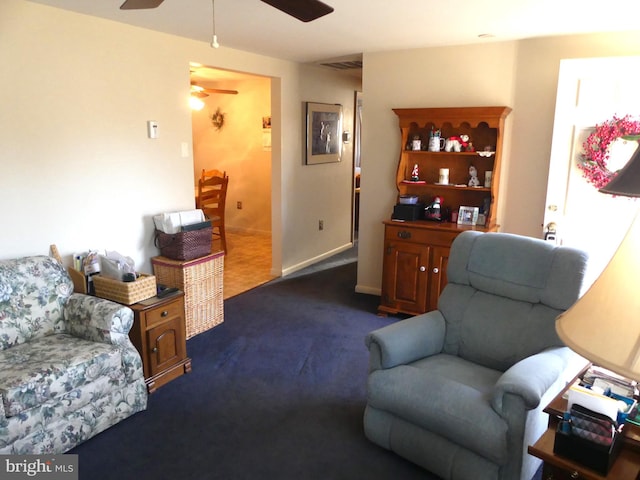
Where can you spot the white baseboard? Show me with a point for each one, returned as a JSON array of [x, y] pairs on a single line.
[[314, 260], [368, 290]]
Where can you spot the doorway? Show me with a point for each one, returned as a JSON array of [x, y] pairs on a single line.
[[590, 91], [357, 136], [232, 133]]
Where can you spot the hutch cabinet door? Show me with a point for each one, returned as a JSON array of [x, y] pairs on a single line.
[[405, 277], [437, 275]]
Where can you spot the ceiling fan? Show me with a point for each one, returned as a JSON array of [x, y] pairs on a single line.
[[201, 92], [303, 10]]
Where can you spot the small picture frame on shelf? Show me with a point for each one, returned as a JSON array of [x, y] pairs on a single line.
[[468, 215]]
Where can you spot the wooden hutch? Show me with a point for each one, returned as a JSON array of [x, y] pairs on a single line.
[[416, 252]]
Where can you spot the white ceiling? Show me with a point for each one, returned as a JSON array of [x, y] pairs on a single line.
[[358, 26]]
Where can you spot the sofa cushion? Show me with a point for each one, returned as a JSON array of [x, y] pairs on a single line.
[[33, 291], [445, 395], [35, 372]]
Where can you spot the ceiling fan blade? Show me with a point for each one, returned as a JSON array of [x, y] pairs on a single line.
[[198, 90], [303, 10], [140, 4], [221, 90]]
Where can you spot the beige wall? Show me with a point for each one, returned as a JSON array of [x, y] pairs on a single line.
[[237, 149], [522, 75], [441, 77], [77, 167], [325, 191]]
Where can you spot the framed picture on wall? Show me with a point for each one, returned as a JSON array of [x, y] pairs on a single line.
[[324, 131]]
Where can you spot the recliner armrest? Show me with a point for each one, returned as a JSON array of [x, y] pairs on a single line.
[[97, 319], [406, 341], [531, 377]]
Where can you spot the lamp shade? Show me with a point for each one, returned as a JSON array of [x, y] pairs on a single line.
[[627, 180], [604, 324]]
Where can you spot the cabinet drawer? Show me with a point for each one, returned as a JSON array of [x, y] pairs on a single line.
[[163, 313], [407, 233], [550, 472]]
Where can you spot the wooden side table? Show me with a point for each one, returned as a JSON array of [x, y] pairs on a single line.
[[556, 467], [158, 333]]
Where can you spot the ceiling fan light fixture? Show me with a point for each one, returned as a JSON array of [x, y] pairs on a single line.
[[195, 103]]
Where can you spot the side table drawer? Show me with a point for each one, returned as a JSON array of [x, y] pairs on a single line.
[[166, 312], [550, 472]]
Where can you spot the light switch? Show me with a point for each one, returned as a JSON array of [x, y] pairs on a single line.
[[152, 129]]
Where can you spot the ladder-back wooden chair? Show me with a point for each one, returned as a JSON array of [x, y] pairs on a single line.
[[212, 173], [212, 194]]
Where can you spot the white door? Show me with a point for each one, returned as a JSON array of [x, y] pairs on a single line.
[[590, 91]]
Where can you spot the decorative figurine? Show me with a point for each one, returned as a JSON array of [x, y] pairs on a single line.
[[415, 176], [457, 144], [473, 174], [452, 144], [433, 211]]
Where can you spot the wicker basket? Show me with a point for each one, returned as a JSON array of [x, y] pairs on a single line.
[[184, 245], [201, 280], [127, 293]]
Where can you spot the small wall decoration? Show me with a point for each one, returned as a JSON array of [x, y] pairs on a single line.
[[266, 133], [324, 131], [596, 148], [217, 119]]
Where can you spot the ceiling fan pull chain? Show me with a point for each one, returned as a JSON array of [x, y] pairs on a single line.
[[214, 38]]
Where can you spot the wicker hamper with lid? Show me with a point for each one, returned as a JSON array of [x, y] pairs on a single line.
[[201, 280]]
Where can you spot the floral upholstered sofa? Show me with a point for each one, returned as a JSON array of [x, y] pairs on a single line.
[[67, 367]]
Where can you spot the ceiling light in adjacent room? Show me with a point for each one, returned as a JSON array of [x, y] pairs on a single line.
[[195, 103]]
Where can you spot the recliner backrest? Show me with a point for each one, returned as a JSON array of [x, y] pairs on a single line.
[[503, 295]]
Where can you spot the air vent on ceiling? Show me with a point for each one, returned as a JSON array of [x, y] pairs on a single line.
[[350, 65]]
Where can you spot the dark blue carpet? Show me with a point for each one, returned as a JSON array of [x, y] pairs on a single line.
[[277, 392]]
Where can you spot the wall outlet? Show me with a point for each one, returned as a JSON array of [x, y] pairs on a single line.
[[320, 224], [239, 205]]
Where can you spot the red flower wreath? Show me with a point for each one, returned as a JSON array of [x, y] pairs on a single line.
[[596, 148]]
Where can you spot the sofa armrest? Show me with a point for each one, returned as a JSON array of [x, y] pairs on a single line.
[[97, 319], [530, 378], [406, 341]]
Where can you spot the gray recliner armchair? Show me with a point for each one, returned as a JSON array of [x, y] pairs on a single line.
[[460, 390]]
